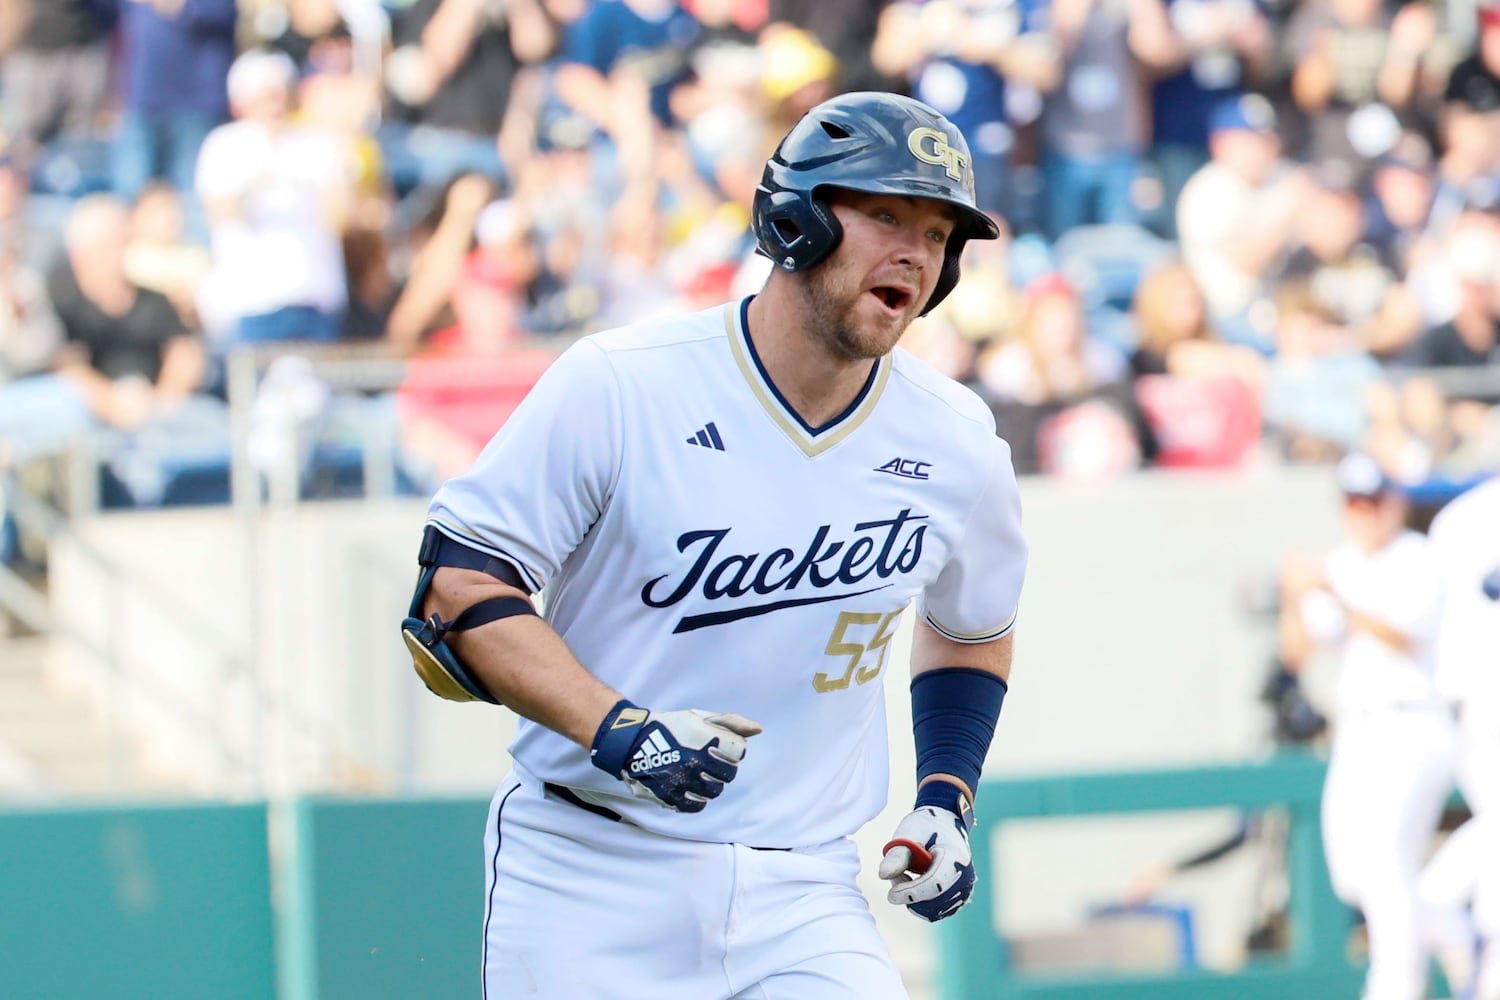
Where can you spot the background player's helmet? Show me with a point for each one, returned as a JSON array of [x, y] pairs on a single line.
[[872, 142]]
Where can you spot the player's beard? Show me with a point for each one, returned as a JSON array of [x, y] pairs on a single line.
[[832, 302]]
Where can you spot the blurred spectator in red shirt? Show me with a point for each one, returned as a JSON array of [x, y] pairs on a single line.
[[468, 378], [1175, 336], [1198, 397], [442, 246]]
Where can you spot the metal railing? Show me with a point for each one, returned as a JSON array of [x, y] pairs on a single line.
[[32, 607], [977, 961], [260, 492], [236, 662]]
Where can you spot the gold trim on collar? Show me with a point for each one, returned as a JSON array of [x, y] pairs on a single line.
[[812, 445]]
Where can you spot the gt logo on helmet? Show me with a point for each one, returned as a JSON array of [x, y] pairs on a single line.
[[938, 151]]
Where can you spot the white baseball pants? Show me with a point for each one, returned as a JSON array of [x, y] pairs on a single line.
[[1388, 777], [579, 906], [1466, 869]]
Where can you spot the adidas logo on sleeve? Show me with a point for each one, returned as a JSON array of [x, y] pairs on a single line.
[[654, 752]]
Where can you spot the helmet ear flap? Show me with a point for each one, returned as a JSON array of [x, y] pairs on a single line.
[[947, 277], [801, 229]]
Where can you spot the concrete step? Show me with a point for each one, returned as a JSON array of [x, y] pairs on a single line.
[[23, 656], [57, 733]]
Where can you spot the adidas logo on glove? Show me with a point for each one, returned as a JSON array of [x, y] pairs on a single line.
[[680, 760], [653, 753]]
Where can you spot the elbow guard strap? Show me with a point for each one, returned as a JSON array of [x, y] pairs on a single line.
[[954, 711], [432, 658]]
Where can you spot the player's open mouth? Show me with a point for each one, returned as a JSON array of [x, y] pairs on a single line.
[[894, 299]]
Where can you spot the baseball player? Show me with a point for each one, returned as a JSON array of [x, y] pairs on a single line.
[[1378, 598], [728, 512], [1465, 534]]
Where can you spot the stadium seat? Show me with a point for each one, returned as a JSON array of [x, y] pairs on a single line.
[[1105, 263]]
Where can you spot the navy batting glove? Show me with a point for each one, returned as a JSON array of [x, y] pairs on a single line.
[[680, 760], [928, 860]]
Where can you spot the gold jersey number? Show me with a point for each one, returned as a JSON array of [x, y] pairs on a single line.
[[865, 659]]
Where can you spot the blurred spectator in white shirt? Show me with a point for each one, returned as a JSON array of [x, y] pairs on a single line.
[[276, 196], [1236, 218]]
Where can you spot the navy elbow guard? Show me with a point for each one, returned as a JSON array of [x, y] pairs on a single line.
[[954, 711], [431, 656]]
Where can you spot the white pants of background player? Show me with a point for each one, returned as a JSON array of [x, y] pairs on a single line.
[[1466, 869], [580, 906], [1389, 774]]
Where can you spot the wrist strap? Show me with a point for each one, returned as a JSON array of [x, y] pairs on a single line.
[[616, 737], [946, 795]]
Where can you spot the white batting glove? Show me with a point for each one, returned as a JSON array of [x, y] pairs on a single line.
[[929, 864], [680, 759]]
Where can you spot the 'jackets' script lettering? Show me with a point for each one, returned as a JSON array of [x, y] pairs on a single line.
[[881, 548]]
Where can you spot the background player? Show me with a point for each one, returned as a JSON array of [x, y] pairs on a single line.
[[1465, 535], [1378, 598], [732, 509]]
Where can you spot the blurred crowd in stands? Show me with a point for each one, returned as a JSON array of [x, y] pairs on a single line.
[[1235, 227]]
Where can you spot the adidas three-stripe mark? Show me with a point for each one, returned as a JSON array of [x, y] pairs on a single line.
[[708, 437]]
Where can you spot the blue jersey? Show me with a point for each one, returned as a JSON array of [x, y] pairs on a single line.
[[179, 63], [973, 95], [1182, 102], [612, 35]]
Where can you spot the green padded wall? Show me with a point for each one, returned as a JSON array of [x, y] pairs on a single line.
[[974, 960], [382, 900], [136, 904]]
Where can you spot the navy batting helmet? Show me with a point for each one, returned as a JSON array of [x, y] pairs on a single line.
[[872, 142]]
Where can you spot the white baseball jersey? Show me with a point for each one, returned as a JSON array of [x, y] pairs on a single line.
[[1400, 586], [702, 547], [1466, 536], [1391, 764]]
